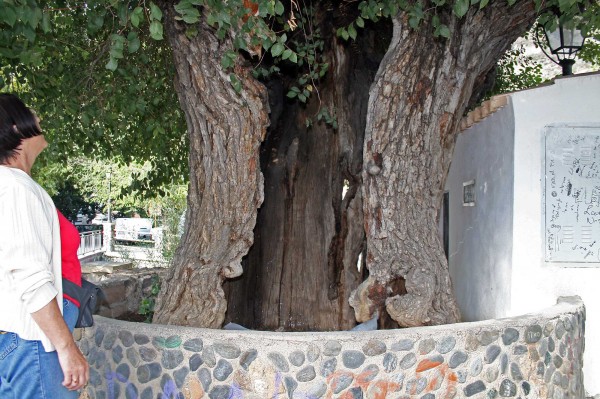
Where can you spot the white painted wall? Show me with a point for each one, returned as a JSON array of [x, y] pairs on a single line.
[[481, 235], [535, 283]]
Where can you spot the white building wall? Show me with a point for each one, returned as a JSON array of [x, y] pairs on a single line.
[[481, 235], [535, 283]]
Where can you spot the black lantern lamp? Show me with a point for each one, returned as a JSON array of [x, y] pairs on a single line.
[[564, 43]]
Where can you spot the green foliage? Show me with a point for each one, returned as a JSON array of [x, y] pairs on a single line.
[[149, 300], [516, 71]]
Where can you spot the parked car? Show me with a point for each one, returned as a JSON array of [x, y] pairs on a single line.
[[99, 219], [133, 229]]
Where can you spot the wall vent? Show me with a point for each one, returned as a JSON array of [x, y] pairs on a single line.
[[469, 193]]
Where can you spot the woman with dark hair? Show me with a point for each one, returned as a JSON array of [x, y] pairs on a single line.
[[38, 356]]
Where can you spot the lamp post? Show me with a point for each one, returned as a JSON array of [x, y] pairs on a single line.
[[108, 176], [564, 42]]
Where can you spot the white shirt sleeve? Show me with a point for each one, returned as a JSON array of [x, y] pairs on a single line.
[[26, 246]]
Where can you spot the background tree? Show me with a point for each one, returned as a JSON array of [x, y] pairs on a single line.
[[301, 270]]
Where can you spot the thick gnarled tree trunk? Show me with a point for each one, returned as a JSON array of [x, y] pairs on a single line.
[[415, 106], [226, 185]]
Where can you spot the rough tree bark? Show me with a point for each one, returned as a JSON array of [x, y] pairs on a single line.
[[226, 185], [419, 96], [300, 272]]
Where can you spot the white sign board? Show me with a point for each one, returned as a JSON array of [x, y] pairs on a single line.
[[572, 194]]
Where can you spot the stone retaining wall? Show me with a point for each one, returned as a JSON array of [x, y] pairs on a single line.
[[532, 356]]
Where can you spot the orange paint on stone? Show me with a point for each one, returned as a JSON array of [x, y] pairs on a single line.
[[426, 365]]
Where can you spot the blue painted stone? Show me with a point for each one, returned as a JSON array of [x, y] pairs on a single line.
[[117, 354], [390, 362], [408, 361], [220, 392], [290, 386], [148, 372], [474, 388], [279, 361], [205, 378], [208, 356], [332, 348], [519, 350], [195, 361], [193, 345], [306, 374], [123, 370], [297, 358], [99, 337], [509, 336], [171, 359], [114, 391], [341, 381], [374, 347], [328, 367], [148, 354], [126, 338], [533, 334], [446, 344], [247, 358], [403, 345], [141, 339], [147, 393], [353, 359], [457, 359], [491, 353], [131, 392], [109, 340], [180, 375], [227, 350], [507, 388], [223, 370], [426, 346]]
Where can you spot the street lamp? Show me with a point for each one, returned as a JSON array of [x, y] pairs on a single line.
[[564, 42], [108, 176]]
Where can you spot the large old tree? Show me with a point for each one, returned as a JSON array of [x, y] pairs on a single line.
[[317, 153]]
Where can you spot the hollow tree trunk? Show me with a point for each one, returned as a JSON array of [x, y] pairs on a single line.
[[226, 185], [415, 106], [302, 268]]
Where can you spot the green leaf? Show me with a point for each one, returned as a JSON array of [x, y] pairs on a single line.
[[155, 13], [277, 49], [444, 31], [9, 16], [291, 94], [133, 42], [360, 22], [286, 54], [279, 9], [136, 16], [156, 30], [46, 27], [235, 83], [294, 58], [483, 3], [352, 31], [112, 65], [461, 7]]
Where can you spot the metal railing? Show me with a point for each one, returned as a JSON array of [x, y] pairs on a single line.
[[90, 241]]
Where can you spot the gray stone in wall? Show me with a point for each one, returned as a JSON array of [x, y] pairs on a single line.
[[99, 337], [457, 359], [471, 343], [195, 361], [126, 338], [374, 347], [223, 370], [547, 358], [492, 393], [560, 329], [355, 393], [461, 375], [491, 353], [205, 378], [133, 356], [551, 344], [290, 386], [148, 372], [279, 361], [109, 340], [95, 377], [416, 385], [123, 371], [474, 388], [390, 362], [332, 348], [403, 345], [488, 337], [476, 366], [317, 390], [526, 388], [353, 359], [562, 349], [117, 354], [426, 346], [147, 393], [446, 344], [171, 359], [540, 369], [297, 358], [341, 381], [179, 376], [306, 374], [369, 373], [503, 363], [227, 350], [313, 353], [247, 358], [141, 339], [428, 396], [193, 345], [84, 347], [557, 361], [131, 392], [208, 356], [491, 374], [515, 372], [147, 354], [507, 389], [220, 392], [408, 361], [509, 336], [519, 350], [328, 367], [533, 334]]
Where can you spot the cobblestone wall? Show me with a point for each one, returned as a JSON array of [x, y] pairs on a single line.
[[532, 356]]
